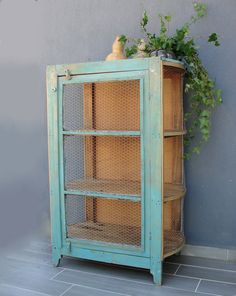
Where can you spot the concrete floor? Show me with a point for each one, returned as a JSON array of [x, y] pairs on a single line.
[[28, 272]]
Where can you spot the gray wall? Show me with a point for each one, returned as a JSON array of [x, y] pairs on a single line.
[[36, 33]]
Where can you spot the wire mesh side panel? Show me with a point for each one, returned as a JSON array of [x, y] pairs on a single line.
[[113, 105], [103, 164], [104, 220], [173, 235]]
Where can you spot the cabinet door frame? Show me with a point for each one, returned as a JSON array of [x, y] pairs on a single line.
[[62, 242]]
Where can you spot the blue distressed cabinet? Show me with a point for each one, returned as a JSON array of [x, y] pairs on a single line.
[[115, 133]]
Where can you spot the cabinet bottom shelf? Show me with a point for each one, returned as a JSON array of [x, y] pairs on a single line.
[[123, 235]]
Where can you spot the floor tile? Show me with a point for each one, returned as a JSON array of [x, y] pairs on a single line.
[[36, 283], [207, 273], [28, 256], [114, 270], [217, 288], [40, 247], [10, 267], [29, 272], [121, 285], [85, 291], [203, 262], [170, 268], [14, 291], [182, 283], [111, 270]]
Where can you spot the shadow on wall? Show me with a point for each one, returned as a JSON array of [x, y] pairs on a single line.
[[24, 192]]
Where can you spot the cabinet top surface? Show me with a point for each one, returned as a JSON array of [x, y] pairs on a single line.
[[113, 66]]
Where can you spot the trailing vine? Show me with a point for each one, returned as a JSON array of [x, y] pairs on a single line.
[[203, 96]]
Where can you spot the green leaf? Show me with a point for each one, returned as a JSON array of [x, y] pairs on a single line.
[[168, 18], [144, 20], [200, 9], [213, 38], [123, 39], [205, 113]]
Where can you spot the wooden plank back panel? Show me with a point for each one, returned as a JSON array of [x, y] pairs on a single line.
[[118, 158], [117, 105], [114, 106], [173, 160], [120, 210], [173, 102], [172, 215]]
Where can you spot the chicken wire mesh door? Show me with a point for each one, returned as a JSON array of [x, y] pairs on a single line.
[[102, 162]]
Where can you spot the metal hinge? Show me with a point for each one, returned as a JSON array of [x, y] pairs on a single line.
[[68, 74]]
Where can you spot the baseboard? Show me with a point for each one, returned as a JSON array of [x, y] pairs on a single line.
[[209, 252]]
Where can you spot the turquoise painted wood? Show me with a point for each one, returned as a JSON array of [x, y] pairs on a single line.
[[149, 73], [155, 177]]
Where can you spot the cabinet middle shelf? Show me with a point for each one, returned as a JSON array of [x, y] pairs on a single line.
[[119, 188], [135, 133]]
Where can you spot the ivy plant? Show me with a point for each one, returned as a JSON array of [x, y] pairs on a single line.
[[203, 96]]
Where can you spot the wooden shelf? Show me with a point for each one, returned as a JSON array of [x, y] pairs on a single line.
[[172, 133], [116, 188], [106, 188], [123, 133], [122, 235], [173, 191], [167, 133], [106, 232]]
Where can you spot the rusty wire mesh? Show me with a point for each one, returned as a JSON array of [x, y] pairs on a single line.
[[111, 105], [103, 164], [101, 219]]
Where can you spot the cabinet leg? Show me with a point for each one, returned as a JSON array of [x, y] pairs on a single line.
[[56, 263], [157, 273], [56, 257]]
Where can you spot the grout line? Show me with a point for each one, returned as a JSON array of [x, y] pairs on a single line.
[[198, 285], [198, 278], [179, 289], [205, 267], [52, 278], [177, 270], [25, 289], [96, 289], [68, 289], [212, 294], [92, 288]]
